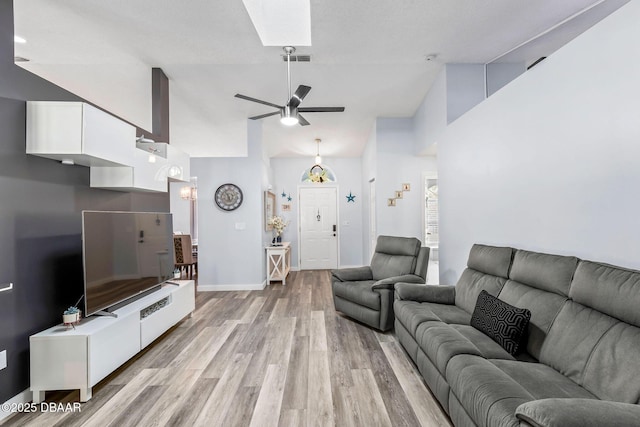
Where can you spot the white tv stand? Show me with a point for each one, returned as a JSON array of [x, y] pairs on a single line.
[[66, 359]]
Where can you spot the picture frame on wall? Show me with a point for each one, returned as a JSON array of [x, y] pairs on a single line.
[[269, 209]]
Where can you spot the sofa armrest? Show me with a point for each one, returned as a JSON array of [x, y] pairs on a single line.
[[352, 274], [578, 413], [426, 293], [389, 282]]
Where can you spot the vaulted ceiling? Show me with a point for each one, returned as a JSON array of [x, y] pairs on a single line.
[[368, 56]]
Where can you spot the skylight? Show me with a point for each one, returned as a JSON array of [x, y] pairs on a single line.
[[281, 22]]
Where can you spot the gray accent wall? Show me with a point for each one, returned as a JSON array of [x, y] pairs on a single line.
[[40, 219]]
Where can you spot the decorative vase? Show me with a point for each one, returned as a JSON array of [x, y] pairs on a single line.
[[279, 239]]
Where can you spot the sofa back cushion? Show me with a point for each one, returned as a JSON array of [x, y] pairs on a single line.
[[492, 260], [596, 351], [544, 307], [540, 283], [488, 268], [611, 290], [605, 308], [595, 339], [547, 272], [394, 256]]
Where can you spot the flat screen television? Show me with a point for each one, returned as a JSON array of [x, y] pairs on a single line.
[[125, 254]]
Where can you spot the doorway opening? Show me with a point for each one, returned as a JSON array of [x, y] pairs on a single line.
[[431, 224], [184, 207]]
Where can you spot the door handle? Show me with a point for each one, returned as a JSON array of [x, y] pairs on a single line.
[[335, 228]]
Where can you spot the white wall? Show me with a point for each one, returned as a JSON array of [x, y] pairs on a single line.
[[231, 244], [287, 173], [267, 184], [430, 120], [369, 168], [465, 88], [500, 74], [397, 164], [550, 162]]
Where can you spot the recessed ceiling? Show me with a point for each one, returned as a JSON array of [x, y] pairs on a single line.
[[368, 57]]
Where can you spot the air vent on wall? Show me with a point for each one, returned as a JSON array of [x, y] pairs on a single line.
[[297, 58]]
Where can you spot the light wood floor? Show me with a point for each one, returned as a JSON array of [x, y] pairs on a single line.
[[277, 357]]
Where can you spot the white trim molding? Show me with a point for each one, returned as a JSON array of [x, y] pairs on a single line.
[[24, 397], [6, 287]]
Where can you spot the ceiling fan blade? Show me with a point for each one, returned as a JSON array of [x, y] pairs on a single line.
[[298, 96], [262, 116], [321, 109], [248, 98], [303, 121]]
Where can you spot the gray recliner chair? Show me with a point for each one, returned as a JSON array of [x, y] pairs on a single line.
[[366, 293]]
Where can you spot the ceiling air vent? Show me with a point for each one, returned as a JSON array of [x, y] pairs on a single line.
[[297, 58]]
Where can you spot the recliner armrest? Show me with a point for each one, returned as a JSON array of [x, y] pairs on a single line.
[[352, 274], [426, 293], [389, 282], [578, 413]]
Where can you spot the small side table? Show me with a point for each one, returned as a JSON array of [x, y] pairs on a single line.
[[278, 262]]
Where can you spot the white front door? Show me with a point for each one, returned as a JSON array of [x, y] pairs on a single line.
[[318, 228]]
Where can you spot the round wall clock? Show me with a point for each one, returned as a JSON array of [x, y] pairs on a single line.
[[228, 197]]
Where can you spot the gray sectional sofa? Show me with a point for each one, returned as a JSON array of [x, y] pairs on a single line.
[[580, 364]]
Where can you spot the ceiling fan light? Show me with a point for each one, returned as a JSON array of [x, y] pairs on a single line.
[[288, 120], [289, 116]]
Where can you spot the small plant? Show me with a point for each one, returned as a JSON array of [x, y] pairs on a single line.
[[71, 310], [71, 316]]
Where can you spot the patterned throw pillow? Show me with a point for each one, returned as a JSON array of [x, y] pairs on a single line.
[[502, 322]]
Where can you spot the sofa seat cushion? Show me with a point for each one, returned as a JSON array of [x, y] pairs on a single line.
[[486, 393], [411, 314], [448, 313], [542, 381], [487, 346], [440, 342], [491, 390], [358, 292]]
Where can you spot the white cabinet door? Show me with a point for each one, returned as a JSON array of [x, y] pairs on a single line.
[[318, 228], [111, 346], [80, 132]]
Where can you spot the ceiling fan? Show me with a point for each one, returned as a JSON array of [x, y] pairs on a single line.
[[290, 113]]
